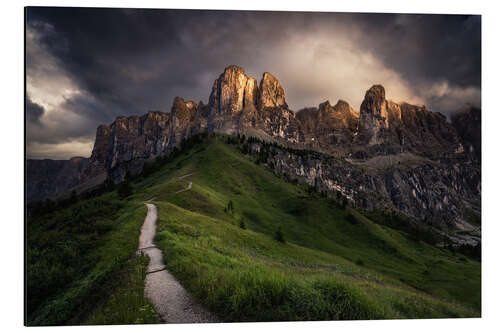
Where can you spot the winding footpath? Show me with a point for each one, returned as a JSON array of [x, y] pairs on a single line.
[[190, 185], [171, 301]]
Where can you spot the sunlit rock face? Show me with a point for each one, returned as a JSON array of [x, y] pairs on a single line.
[[228, 91], [273, 120], [329, 125], [272, 94], [232, 93], [388, 126], [238, 105], [185, 120], [337, 124], [251, 94], [373, 116]]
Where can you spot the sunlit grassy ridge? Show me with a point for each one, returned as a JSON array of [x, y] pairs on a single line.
[[332, 266]]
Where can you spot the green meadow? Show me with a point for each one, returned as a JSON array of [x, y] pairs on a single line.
[[249, 245]]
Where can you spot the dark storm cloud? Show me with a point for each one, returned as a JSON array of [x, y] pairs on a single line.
[[33, 111], [428, 47], [121, 62]]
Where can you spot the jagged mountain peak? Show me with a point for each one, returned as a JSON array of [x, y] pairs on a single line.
[[374, 101], [238, 104], [234, 68], [232, 90], [272, 93], [326, 104], [183, 111], [376, 91], [342, 112], [180, 101], [266, 76], [341, 104]]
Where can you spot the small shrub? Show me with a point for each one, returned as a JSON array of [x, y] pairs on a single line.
[[360, 262], [242, 225], [351, 219], [73, 198], [278, 235], [230, 207], [124, 189], [345, 202]]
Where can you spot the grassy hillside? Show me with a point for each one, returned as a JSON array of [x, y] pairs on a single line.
[[79, 256], [336, 263], [221, 239]]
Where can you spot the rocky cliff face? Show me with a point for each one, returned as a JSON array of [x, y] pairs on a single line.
[[408, 127], [129, 141], [441, 194], [271, 94], [374, 118], [329, 125], [389, 155], [232, 91], [238, 105], [47, 177], [467, 123]]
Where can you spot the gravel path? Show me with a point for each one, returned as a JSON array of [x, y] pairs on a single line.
[[190, 185], [189, 174], [171, 301]]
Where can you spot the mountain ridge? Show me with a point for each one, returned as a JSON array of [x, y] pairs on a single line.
[[239, 106]]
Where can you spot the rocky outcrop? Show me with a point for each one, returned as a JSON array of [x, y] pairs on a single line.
[[238, 105], [272, 94], [186, 119], [425, 130], [373, 116], [128, 139], [232, 90], [467, 123], [48, 177], [439, 194], [329, 125], [234, 94], [402, 127]]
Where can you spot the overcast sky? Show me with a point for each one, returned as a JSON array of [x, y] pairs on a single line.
[[85, 67]]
